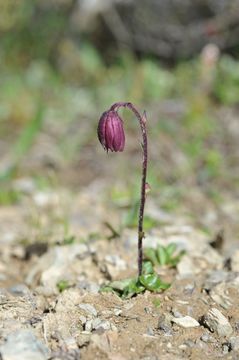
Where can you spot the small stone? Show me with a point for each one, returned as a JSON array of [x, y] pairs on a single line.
[[19, 290], [116, 261], [89, 309], [215, 321], [216, 277], [117, 312], [189, 289], [89, 286], [96, 323], [82, 319], [186, 267], [189, 343], [234, 343], [225, 348], [89, 325], [176, 313], [23, 344], [164, 324], [207, 338], [150, 331], [219, 295], [186, 322], [102, 324]]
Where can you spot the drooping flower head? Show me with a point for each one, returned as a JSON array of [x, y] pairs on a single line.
[[111, 131]]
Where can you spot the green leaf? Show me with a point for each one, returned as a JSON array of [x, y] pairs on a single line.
[[134, 288], [150, 254], [170, 249], [147, 267], [153, 282], [62, 285], [175, 260], [162, 255], [120, 285], [124, 288]]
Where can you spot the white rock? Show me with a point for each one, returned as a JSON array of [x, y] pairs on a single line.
[[89, 325], [23, 344], [185, 322], [102, 324], [89, 309], [234, 343], [56, 264], [217, 322], [220, 296], [186, 267]]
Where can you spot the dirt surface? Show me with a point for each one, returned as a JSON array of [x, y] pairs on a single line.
[[62, 240], [198, 316]]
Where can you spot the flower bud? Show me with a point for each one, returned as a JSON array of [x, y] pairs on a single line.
[[111, 131]]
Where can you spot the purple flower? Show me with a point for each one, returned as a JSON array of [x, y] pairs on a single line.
[[111, 131]]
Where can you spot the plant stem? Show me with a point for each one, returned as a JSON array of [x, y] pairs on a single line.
[[142, 122]]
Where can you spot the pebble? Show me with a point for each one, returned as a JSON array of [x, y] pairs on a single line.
[[219, 295], [186, 322], [216, 277], [234, 343], [82, 319], [93, 288], [189, 289], [189, 343], [150, 331], [90, 309], [215, 321], [105, 325], [186, 267], [116, 261], [19, 290], [164, 324], [89, 325], [23, 344], [176, 313], [207, 338], [117, 312], [225, 348]]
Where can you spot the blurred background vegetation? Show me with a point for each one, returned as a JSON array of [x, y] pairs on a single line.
[[64, 62]]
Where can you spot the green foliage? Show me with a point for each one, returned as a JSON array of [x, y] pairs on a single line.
[[9, 196], [149, 280], [62, 285], [157, 82], [152, 282], [133, 286], [227, 81], [69, 240], [163, 255], [23, 143]]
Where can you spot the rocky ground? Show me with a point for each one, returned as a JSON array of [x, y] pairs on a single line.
[[51, 307], [69, 229]]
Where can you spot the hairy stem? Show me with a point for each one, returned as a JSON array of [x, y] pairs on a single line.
[[142, 122]]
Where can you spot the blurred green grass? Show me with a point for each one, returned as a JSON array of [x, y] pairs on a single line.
[[34, 97]]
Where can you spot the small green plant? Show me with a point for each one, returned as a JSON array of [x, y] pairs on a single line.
[[69, 240], [9, 196], [163, 255], [62, 285], [148, 280]]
